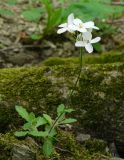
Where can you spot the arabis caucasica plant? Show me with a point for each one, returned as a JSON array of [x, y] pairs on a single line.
[[46, 123], [83, 30]]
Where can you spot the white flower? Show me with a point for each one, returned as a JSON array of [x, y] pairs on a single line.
[[83, 27], [84, 36], [87, 41], [67, 26]]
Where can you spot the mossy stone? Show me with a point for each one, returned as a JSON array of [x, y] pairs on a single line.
[[66, 149], [99, 94]]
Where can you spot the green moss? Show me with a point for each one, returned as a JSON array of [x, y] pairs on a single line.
[[76, 151], [6, 143], [66, 149], [60, 61], [108, 57], [95, 146], [11, 147], [5, 117], [41, 89]]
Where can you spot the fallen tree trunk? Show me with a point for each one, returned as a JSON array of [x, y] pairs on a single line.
[[98, 99]]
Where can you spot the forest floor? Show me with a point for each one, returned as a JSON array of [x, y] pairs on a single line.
[[18, 49]]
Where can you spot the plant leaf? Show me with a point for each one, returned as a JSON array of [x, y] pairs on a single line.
[[48, 118], [60, 109], [55, 18], [61, 118], [41, 121], [53, 131], [31, 116], [97, 47], [22, 112], [69, 120], [33, 14], [38, 134], [48, 6], [69, 110], [6, 12], [21, 133], [48, 147], [11, 2], [26, 126], [36, 36]]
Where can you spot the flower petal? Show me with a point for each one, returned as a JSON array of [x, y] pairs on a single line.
[[70, 19], [89, 24], [95, 40], [89, 47], [90, 29], [63, 25], [87, 36], [77, 22], [95, 27], [62, 30], [82, 30], [79, 44], [70, 30], [72, 27]]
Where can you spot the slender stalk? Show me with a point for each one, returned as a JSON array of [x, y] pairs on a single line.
[[79, 74], [71, 93], [56, 120]]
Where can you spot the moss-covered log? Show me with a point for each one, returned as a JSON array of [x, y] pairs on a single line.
[[98, 99], [66, 149], [104, 58]]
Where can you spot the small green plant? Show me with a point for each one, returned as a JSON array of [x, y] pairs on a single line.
[[49, 126], [35, 14], [49, 130], [6, 12], [39, 10], [30, 127], [53, 18]]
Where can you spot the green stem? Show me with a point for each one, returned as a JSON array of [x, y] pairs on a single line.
[[71, 93], [79, 74], [56, 120]]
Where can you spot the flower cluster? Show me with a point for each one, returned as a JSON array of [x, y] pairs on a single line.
[[84, 30]]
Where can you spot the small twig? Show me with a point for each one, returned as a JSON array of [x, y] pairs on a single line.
[[63, 150]]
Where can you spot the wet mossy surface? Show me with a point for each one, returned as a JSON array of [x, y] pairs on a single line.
[[8, 143], [98, 99], [66, 148], [104, 58], [41, 89]]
